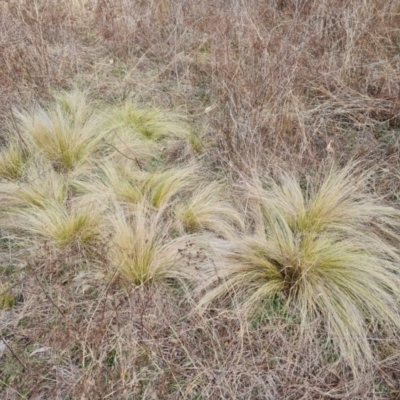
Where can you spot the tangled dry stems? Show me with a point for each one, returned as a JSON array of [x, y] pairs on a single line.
[[267, 86]]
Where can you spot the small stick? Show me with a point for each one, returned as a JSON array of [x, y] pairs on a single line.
[[14, 122], [134, 155], [44, 291], [14, 355]]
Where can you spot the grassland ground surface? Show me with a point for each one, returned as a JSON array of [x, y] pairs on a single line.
[[200, 199]]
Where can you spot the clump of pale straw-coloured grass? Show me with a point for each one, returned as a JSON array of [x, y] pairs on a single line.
[[142, 250], [331, 252], [68, 133]]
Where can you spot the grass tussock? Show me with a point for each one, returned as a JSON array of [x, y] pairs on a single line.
[[59, 224], [141, 250], [147, 123], [40, 184], [12, 161], [6, 298], [129, 185], [160, 188], [208, 208], [67, 134], [147, 133], [112, 180], [330, 251]]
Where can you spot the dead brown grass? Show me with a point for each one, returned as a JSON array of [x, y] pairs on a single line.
[[86, 340], [290, 76], [266, 84]]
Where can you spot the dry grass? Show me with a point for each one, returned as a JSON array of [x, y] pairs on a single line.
[[58, 224], [6, 299], [141, 250], [252, 89], [208, 208], [39, 185], [12, 161], [68, 135], [159, 188], [129, 185], [330, 253], [146, 123]]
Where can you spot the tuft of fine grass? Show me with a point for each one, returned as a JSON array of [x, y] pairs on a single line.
[[147, 133], [331, 252], [12, 160], [141, 250], [207, 208], [66, 133], [159, 188], [126, 183], [147, 123], [75, 226], [6, 298], [39, 185], [114, 180]]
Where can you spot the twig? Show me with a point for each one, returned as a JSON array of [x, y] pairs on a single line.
[[15, 125], [13, 354], [120, 152], [44, 291]]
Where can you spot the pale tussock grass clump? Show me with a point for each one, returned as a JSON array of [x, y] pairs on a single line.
[[148, 131], [12, 161], [147, 123], [38, 185], [331, 252], [124, 145], [160, 188], [114, 180], [6, 297], [124, 182], [142, 250], [68, 133], [208, 208], [62, 225]]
